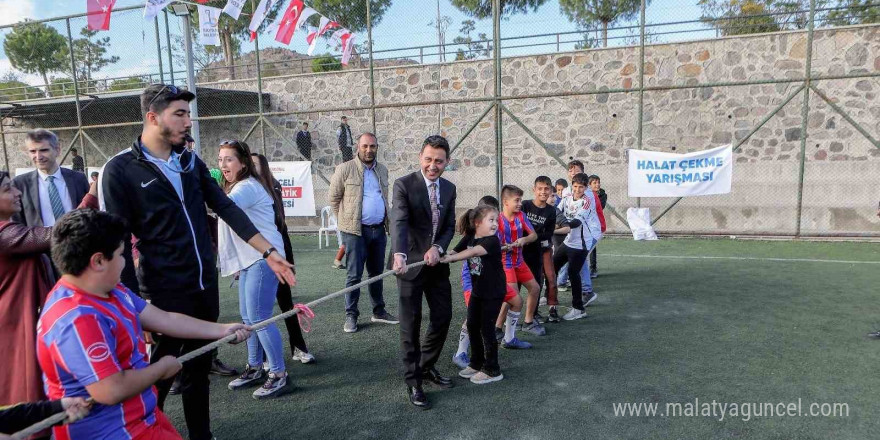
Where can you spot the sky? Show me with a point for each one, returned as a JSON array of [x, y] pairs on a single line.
[[406, 24]]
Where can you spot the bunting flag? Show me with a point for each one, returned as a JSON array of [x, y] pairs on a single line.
[[347, 45], [260, 15], [326, 25], [306, 14], [288, 22], [233, 8], [99, 14], [154, 7], [312, 39], [208, 20]]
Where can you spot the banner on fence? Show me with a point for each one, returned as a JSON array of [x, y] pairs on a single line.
[[655, 174], [297, 192], [209, 34]]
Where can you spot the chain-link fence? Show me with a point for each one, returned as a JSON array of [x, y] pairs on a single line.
[[792, 88]]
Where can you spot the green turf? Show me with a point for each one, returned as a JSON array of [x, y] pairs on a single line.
[[663, 330]]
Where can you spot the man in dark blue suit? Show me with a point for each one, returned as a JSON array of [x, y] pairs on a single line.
[[49, 191], [422, 227]]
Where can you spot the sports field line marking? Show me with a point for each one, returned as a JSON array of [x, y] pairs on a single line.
[[706, 257]]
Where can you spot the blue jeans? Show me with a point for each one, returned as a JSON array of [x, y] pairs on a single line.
[[257, 286], [586, 281], [367, 249]]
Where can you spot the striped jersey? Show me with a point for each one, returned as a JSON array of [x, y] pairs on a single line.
[[510, 231], [82, 339]]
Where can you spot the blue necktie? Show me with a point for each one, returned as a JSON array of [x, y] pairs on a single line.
[[55, 199]]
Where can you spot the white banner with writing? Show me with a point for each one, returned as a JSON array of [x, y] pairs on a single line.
[[297, 191], [655, 174], [208, 19]]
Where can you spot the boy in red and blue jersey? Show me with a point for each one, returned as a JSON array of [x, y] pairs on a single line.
[[89, 336], [515, 231]]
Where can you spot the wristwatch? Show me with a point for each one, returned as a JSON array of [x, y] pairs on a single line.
[[269, 252], [439, 249]]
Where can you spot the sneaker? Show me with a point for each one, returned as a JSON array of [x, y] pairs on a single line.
[[594, 274], [589, 297], [384, 317], [221, 369], [461, 360], [574, 314], [539, 318], [275, 385], [499, 334], [564, 287], [338, 264], [306, 358], [874, 334], [543, 301], [535, 328], [351, 324], [251, 376], [482, 378], [553, 316], [468, 372], [516, 344], [175, 387]]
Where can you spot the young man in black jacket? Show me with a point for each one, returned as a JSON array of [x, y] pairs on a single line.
[[161, 190]]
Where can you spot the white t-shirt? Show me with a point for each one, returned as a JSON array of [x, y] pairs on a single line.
[[234, 253], [590, 231]]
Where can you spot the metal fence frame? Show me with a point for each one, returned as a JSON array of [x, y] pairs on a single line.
[[496, 102]]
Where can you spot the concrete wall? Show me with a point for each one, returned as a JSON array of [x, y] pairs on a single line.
[[842, 173]]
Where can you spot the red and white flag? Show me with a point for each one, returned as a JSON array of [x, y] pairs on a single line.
[[99, 14], [347, 45], [312, 39], [153, 7], [260, 14], [288, 22]]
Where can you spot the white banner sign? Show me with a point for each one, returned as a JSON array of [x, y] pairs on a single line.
[[208, 18], [654, 174], [297, 192], [154, 7], [233, 8]]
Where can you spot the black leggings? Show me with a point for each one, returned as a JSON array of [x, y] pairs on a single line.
[[481, 315], [575, 259], [285, 300]]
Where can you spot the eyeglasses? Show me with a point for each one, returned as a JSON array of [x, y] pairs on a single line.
[[170, 87]]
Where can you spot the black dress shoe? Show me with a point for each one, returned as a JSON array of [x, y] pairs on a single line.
[[417, 397], [433, 376]]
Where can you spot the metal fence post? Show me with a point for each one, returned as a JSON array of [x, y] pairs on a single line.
[[260, 93], [158, 52], [641, 83], [168, 42], [805, 115], [79, 123], [191, 84], [499, 156], [372, 80], [3, 142]]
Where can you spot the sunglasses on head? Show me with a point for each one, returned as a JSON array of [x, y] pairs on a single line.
[[170, 87]]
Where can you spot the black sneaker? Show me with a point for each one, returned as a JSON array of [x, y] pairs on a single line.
[[175, 387], [874, 334], [539, 318], [221, 369], [384, 317], [251, 376], [499, 334], [276, 385], [553, 316], [589, 297]]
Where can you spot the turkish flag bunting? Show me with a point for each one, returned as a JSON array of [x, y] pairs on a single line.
[[287, 25], [99, 14]]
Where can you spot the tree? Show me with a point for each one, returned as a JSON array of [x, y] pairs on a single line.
[[483, 8], [739, 17], [326, 63], [441, 25], [591, 14], [132, 83], [36, 48], [472, 49], [12, 88], [856, 12], [91, 56]]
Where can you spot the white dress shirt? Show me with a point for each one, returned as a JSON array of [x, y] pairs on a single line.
[[46, 203]]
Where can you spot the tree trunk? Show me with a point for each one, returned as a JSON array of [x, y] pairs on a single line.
[[604, 34], [226, 42], [46, 82]]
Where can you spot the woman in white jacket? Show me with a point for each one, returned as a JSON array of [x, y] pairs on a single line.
[[257, 283]]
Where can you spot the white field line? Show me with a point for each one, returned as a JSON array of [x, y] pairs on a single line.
[[705, 257]]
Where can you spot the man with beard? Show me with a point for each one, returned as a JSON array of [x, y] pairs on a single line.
[[359, 201], [161, 189]]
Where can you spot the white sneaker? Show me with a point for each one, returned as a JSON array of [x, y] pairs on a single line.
[[306, 358], [574, 314], [276, 385], [468, 373], [250, 376], [543, 301], [482, 378]]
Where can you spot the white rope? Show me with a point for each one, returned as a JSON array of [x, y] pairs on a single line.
[[62, 416]]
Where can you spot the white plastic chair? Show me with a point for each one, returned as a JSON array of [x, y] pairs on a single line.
[[328, 225]]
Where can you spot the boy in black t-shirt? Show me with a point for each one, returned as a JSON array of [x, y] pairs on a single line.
[[539, 254], [489, 287]]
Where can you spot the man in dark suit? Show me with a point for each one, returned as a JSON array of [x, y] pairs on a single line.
[[422, 226], [49, 191], [304, 141]]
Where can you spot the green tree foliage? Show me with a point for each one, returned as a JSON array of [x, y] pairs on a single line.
[[483, 8], [133, 83], [468, 48], [592, 14], [90, 54], [855, 12], [739, 17], [326, 63], [36, 48], [12, 88], [351, 14]]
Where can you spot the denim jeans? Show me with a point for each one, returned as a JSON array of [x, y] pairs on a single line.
[[367, 249], [257, 286], [586, 281]]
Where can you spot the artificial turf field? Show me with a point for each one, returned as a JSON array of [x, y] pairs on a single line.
[[765, 322]]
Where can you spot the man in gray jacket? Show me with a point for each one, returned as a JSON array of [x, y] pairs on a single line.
[[359, 201]]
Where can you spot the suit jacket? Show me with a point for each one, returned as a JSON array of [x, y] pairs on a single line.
[[411, 226], [29, 185]]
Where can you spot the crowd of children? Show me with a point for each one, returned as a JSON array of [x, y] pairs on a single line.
[[527, 244]]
